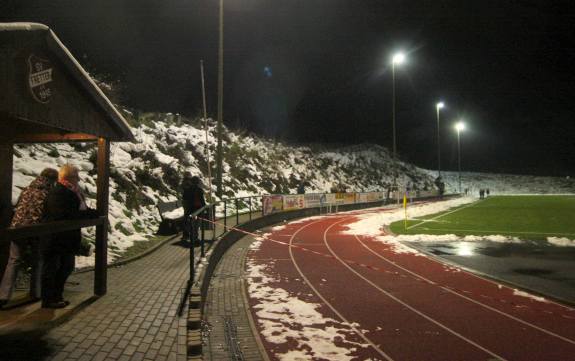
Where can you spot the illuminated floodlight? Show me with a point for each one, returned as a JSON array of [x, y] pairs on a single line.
[[459, 126], [398, 58], [440, 105]]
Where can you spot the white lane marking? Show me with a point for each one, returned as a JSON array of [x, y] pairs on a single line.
[[551, 333], [359, 333], [444, 214], [403, 303]]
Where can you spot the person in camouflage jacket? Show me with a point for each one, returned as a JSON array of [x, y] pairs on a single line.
[[29, 210]]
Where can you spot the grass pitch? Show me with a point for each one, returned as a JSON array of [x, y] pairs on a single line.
[[525, 217]]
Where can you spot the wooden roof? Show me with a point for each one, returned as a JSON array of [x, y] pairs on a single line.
[[47, 95]]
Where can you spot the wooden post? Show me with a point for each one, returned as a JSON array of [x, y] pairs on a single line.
[[6, 163], [103, 183], [6, 154]]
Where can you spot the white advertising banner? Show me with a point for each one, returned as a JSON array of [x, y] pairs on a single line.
[[314, 199], [293, 202], [329, 198], [367, 197]]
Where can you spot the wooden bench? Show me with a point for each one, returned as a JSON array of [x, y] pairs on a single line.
[[169, 225]]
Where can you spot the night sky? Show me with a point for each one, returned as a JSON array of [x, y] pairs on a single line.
[[319, 71]]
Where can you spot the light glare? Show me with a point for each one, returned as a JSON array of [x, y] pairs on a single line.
[[440, 105], [465, 249], [398, 58], [459, 126]]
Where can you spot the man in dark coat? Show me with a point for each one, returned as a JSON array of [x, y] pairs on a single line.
[[29, 210], [301, 187], [65, 202], [192, 200]]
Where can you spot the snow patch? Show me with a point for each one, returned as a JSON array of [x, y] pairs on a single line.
[[286, 318], [561, 241], [528, 295]]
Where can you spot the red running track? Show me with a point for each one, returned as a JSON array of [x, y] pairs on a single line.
[[406, 306]]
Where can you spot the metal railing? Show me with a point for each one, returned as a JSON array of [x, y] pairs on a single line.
[[216, 218]]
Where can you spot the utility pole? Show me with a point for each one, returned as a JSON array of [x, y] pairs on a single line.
[[207, 150]]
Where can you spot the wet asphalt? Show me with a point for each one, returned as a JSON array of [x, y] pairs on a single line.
[[541, 268]]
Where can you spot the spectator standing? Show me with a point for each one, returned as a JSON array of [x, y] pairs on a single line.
[[487, 192], [29, 210], [301, 188], [440, 186], [192, 200], [64, 202]]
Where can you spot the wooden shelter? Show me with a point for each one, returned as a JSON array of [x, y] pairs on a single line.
[[46, 96]]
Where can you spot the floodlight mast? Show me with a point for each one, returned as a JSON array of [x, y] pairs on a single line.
[[398, 59], [219, 155], [438, 106], [459, 126]]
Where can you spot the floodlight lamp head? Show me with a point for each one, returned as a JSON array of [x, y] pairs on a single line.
[[440, 105], [459, 126], [398, 58]]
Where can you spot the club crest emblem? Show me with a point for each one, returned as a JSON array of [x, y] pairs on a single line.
[[39, 78]]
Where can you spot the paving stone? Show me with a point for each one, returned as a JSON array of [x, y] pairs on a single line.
[[129, 350], [85, 357], [92, 350], [107, 346], [77, 353], [138, 356], [115, 353], [70, 347], [100, 356]]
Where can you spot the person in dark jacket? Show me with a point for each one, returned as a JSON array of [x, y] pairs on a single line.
[[301, 187], [192, 200], [64, 202], [29, 210]]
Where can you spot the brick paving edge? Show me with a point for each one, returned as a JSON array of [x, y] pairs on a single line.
[[251, 321]]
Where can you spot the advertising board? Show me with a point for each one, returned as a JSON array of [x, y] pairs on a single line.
[[272, 204], [293, 202]]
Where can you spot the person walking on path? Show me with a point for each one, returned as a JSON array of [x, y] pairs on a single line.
[[192, 200], [64, 202], [29, 210]]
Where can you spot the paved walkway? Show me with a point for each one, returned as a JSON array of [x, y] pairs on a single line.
[[228, 326], [136, 320]]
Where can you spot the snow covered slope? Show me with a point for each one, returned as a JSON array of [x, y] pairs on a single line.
[[168, 145]]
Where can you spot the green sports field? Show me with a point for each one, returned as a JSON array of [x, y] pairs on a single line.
[[525, 217]]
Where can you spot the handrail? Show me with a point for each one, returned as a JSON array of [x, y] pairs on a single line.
[[42, 229], [214, 204]]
